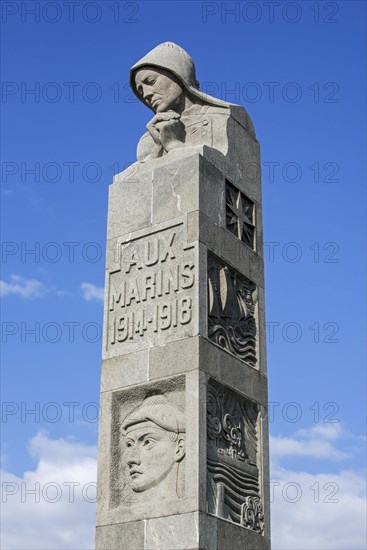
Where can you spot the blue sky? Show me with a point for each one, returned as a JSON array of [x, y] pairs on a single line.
[[300, 74]]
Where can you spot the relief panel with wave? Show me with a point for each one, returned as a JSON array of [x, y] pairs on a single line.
[[232, 460]]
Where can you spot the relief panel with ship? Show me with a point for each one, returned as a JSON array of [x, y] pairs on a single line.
[[232, 301]]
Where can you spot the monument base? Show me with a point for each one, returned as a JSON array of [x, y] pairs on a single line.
[[193, 531], [183, 441]]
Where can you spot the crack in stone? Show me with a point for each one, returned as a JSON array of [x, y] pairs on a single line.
[[173, 191]]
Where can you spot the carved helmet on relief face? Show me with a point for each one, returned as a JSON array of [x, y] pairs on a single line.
[[173, 58]]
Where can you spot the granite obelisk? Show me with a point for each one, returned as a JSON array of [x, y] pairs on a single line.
[[183, 436]]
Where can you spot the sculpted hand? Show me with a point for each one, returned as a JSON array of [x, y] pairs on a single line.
[[167, 130]]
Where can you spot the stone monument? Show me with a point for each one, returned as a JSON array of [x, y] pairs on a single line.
[[183, 437]]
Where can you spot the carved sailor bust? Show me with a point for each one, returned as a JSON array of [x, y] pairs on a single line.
[[165, 81]]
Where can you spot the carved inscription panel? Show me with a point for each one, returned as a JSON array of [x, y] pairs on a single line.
[[151, 293], [232, 310], [233, 426]]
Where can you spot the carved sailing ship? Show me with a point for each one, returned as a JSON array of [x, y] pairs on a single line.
[[231, 308]]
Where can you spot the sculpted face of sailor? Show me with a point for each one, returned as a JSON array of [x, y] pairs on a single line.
[[152, 455], [153, 447], [163, 92], [160, 90]]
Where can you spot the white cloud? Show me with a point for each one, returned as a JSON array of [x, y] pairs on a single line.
[[318, 511], [328, 430], [287, 446], [33, 521], [92, 292], [26, 288], [315, 442]]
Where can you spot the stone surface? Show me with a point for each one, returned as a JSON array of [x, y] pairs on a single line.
[[226, 245], [175, 357], [124, 370], [221, 365], [129, 205], [173, 533], [121, 536], [262, 331], [104, 460], [217, 534], [198, 352], [187, 185], [183, 435]]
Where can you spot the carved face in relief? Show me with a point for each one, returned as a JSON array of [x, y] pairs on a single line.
[[160, 89], [152, 455]]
